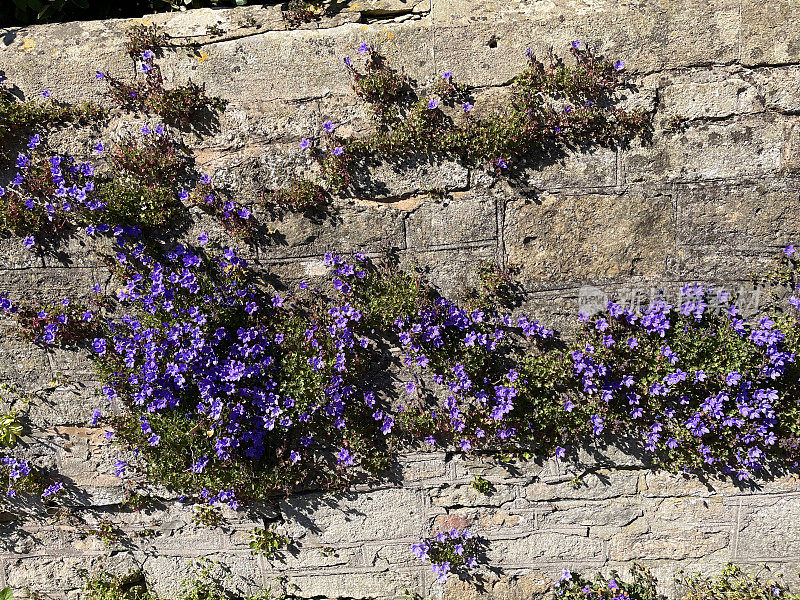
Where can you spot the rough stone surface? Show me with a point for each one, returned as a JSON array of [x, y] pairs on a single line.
[[713, 201]]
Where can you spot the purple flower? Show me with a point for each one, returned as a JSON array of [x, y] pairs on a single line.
[[467, 106], [46, 93], [447, 75], [347, 60], [576, 44], [337, 151], [202, 239], [345, 458], [789, 250], [53, 490], [148, 55], [501, 163], [98, 147], [329, 126], [146, 67], [28, 242], [99, 346], [363, 47], [119, 468], [99, 75], [304, 143], [433, 103], [200, 465], [619, 65]]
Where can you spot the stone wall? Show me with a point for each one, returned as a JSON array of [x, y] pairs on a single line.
[[712, 203]]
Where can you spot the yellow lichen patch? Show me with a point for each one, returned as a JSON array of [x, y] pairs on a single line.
[[28, 45], [202, 56]]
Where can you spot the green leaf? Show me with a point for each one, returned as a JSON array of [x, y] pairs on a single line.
[[6, 594]]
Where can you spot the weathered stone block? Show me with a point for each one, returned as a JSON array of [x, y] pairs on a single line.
[[566, 237], [768, 38], [466, 217]]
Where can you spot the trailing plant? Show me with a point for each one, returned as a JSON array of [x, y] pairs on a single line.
[[299, 196], [54, 194], [178, 106], [105, 586], [18, 117], [735, 584], [552, 107], [731, 584]]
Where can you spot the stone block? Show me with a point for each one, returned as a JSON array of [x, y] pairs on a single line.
[[569, 237], [382, 514], [768, 37], [463, 218]]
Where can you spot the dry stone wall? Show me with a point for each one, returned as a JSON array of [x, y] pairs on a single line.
[[711, 202]]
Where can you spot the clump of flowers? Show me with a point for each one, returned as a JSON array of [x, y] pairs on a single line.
[[234, 393], [552, 108], [573, 586], [704, 387], [64, 322], [52, 194], [236, 219], [178, 106], [380, 85], [454, 551]]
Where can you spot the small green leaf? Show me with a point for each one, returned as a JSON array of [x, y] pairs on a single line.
[[6, 594]]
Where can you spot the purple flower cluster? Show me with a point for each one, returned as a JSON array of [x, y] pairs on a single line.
[[13, 471], [253, 376], [448, 552], [706, 389]]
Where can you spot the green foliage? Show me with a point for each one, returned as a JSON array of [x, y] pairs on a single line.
[[179, 106], [482, 485], [734, 584], [10, 429], [105, 586], [731, 584], [551, 107], [266, 541], [207, 516], [18, 117], [6, 594], [106, 530], [574, 587], [385, 293], [496, 289]]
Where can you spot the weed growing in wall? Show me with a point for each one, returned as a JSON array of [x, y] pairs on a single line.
[[178, 106], [18, 117]]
